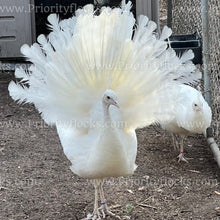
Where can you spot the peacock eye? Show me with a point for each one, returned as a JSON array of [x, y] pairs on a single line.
[[195, 105], [108, 97]]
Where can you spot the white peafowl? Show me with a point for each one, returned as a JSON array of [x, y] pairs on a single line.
[[97, 79], [190, 114]]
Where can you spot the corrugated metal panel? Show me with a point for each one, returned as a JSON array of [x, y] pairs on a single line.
[[150, 8], [143, 7], [15, 27]]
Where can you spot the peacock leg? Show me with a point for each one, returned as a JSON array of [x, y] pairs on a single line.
[[104, 208], [181, 155], [96, 214], [175, 141]]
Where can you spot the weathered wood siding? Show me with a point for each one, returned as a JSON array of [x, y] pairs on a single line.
[[15, 26]]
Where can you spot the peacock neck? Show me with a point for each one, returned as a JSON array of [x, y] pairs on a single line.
[[107, 117], [199, 117]]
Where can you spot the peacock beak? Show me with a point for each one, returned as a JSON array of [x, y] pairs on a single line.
[[116, 104], [200, 110]]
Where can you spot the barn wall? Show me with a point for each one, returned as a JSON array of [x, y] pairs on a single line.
[[15, 27]]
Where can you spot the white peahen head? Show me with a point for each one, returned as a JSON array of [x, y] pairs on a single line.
[[110, 98], [197, 105]]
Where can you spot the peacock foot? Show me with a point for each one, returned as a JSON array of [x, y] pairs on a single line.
[[106, 212], [96, 215], [101, 213], [182, 158]]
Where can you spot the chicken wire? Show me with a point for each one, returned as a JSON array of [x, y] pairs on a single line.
[[214, 67], [187, 19], [186, 16]]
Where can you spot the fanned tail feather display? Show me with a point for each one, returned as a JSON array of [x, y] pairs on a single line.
[[87, 54]]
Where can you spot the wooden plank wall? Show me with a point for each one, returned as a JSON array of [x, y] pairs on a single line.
[[15, 27]]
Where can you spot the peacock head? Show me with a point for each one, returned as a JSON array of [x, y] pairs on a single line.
[[110, 98], [197, 106]]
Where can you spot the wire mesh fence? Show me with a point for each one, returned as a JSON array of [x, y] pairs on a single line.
[[187, 19], [186, 16], [214, 67]]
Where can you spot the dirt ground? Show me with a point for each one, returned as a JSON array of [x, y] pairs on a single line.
[[36, 182]]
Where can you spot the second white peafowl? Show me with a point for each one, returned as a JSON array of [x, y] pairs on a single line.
[[97, 80], [190, 114]]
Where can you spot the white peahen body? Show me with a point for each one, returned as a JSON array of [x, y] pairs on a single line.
[[86, 68], [191, 114]]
